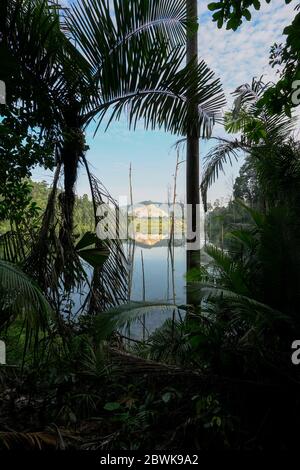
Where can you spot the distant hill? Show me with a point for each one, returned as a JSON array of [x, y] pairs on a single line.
[[149, 210], [158, 204], [148, 203], [159, 208]]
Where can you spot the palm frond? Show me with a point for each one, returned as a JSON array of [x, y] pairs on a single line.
[[244, 237], [246, 112], [13, 247], [115, 319], [109, 282], [230, 273], [136, 54], [101, 28], [170, 343], [240, 302], [236, 122], [225, 151], [28, 441], [21, 297], [261, 133], [257, 217], [278, 127], [154, 92], [247, 95]]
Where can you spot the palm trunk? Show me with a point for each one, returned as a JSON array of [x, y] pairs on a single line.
[[192, 160], [192, 164], [72, 151], [70, 160]]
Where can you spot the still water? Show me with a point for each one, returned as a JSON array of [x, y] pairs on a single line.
[[164, 282], [155, 278], [158, 274]]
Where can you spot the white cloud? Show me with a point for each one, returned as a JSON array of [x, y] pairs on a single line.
[[238, 56], [235, 57]]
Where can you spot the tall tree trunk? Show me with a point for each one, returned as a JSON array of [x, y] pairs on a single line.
[[70, 160], [192, 159], [192, 164], [72, 151]]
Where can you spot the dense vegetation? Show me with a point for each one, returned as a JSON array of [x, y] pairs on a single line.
[[37, 199], [218, 373]]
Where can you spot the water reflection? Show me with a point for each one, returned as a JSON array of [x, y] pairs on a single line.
[[164, 282]]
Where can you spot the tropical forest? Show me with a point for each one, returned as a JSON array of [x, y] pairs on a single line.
[[149, 227]]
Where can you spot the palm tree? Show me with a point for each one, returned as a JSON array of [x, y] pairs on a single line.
[[105, 61], [265, 139]]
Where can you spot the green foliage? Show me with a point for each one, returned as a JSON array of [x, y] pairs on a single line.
[[94, 256], [265, 139], [22, 301], [38, 194], [21, 297], [21, 149], [191, 383], [246, 186], [283, 96], [221, 220], [152, 84], [233, 12], [114, 319]]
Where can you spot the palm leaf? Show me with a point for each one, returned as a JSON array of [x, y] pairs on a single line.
[[238, 301], [262, 133], [21, 297], [115, 319], [225, 151], [230, 273], [136, 57], [247, 110], [29, 441], [155, 94], [247, 96], [109, 282], [100, 28]]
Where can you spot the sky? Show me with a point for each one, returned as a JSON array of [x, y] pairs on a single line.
[[235, 57]]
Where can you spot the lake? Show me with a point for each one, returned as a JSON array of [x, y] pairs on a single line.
[[162, 282]]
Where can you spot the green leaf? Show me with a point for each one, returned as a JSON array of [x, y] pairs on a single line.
[[220, 23], [247, 15], [96, 257], [112, 406], [87, 240], [287, 30], [167, 397], [198, 340], [213, 6], [118, 317]]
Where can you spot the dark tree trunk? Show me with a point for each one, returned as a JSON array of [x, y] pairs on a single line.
[[72, 150], [192, 164], [192, 160], [70, 161]]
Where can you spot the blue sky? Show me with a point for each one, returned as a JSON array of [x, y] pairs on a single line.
[[235, 57]]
